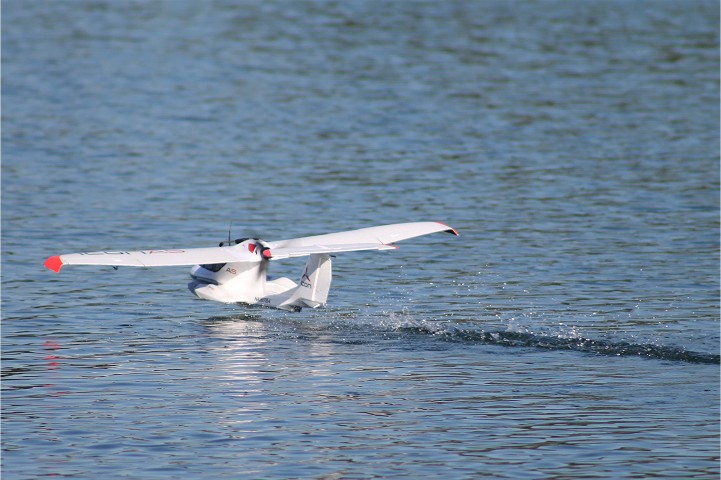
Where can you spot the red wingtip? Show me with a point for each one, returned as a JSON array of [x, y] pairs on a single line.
[[450, 229], [54, 263]]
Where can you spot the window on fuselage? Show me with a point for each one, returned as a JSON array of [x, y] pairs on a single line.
[[213, 267]]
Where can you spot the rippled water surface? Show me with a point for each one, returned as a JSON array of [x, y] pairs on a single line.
[[571, 330]]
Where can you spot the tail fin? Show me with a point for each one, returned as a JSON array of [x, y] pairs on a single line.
[[315, 281]]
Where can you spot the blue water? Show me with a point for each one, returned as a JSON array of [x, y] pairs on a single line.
[[572, 330]]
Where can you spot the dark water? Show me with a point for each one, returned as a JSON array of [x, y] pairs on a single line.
[[571, 330]]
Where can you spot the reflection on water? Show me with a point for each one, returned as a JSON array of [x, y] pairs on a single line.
[[343, 394]]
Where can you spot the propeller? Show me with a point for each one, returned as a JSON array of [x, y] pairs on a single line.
[[263, 250], [265, 255]]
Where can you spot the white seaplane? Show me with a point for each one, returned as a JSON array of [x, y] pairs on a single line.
[[236, 271]]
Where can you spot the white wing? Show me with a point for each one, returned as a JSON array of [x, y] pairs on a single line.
[[372, 238], [151, 258]]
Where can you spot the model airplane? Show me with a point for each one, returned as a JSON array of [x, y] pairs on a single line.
[[236, 271]]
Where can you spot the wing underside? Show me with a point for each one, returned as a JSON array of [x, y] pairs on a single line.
[[290, 252]]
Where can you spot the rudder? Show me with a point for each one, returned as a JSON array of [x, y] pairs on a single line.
[[315, 281]]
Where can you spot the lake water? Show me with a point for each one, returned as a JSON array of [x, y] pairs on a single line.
[[572, 330]]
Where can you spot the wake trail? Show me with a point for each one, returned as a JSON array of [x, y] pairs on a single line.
[[576, 344]]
